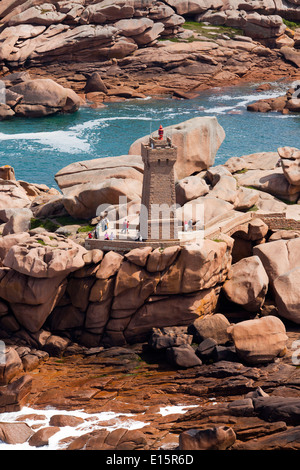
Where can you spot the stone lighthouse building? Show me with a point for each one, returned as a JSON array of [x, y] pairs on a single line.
[[158, 209]]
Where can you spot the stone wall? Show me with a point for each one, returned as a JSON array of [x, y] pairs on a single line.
[[280, 222]]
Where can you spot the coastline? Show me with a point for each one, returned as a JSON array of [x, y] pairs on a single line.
[[182, 346], [170, 71]]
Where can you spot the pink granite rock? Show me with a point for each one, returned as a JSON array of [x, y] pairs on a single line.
[[247, 283], [260, 340], [44, 256]]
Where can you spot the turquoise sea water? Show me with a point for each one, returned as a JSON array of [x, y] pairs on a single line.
[[38, 148]]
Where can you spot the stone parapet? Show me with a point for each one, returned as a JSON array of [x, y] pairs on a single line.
[[124, 246]]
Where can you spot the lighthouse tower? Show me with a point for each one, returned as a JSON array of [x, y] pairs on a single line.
[[158, 209]]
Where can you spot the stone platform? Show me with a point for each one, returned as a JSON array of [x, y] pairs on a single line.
[[124, 246]]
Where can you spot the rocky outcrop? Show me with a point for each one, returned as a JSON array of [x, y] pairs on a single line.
[[39, 32], [21, 201], [26, 97], [190, 188], [247, 283], [282, 265], [290, 161], [255, 25], [93, 309], [211, 327], [259, 340], [288, 103], [88, 200], [287, 298], [217, 438], [111, 298], [42, 257], [45, 31], [180, 69], [197, 141], [87, 186], [127, 46], [246, 407], [15, 433], [270, 181]]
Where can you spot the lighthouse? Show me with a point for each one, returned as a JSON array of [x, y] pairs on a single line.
[[158, 206]]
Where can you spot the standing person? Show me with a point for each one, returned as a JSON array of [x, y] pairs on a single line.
[[127, 226], [190, 225], [106, 236], [124, 227], [97, 230], [185, 226]]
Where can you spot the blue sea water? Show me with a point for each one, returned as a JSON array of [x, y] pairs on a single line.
[[38, 148]]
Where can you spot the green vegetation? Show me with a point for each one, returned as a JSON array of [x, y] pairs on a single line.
[[44, 11], [170, 39], [41, 242], [286, 201], [210, 31], [244, 170], [68, 220], [206, 31], [85, 228], [218, 240], [51, 225], [291, 24], [47, 224], [254, 208]]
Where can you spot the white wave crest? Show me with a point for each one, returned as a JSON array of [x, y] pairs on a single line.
[[62, 141]]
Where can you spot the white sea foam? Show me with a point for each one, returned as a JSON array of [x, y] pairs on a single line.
[[220, 109], [248, 97], [71, 140], [90, 424], [276, 115], [243, 101], [175, 409], [104, 122], [62, 141]]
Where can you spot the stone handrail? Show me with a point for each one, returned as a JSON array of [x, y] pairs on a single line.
[[229, 225]]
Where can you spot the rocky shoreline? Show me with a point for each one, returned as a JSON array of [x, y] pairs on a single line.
[[147, 50], [179, 70], [133, 333], [232, 405], [208, 331]]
